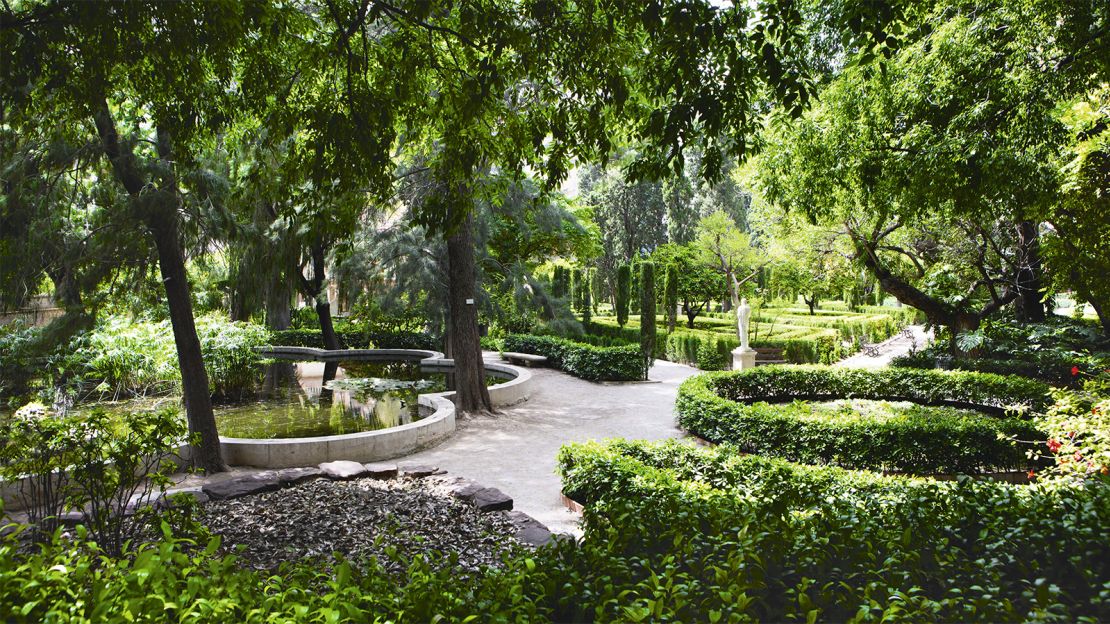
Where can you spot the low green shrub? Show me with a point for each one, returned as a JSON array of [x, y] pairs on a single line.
[[352, 337], [582, 360], [714, 535], [983, 391], [914, 439], [122, 357]]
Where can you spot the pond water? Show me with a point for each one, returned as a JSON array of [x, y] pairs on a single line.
[[301, 399]]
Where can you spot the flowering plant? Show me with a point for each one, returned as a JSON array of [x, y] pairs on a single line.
[[1078, 425]]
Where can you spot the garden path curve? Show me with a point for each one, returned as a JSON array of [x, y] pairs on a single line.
[[914, 338], [515, 450]]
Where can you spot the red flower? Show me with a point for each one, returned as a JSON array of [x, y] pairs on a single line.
[[1031, 475], [1053, 445], [1074, 370]]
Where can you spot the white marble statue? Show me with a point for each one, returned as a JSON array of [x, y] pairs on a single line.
[[743, 317]]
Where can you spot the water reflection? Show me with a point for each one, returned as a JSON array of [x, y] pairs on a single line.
[[305, 399]]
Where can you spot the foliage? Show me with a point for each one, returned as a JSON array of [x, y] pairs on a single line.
[[912, 439], [92, 463], [1078, 426], [995, 394], [122, 357], [752, 538], [1045, 351], [720, 244], [356, 337], [670, 296], [624, 293], [622, 363], [647, 315], [698, 284]]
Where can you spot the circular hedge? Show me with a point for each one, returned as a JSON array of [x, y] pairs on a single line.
[[746, 408]]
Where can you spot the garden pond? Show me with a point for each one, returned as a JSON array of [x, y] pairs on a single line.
[[303, 399]]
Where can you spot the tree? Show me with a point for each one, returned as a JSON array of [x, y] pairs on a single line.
[[624, 291], [721, 245], [80, 65], [697, 285], [647, 315], [1078, 244], [587, 298], [670, 298], [940, 159]]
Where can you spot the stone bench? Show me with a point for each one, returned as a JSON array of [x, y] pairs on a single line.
[[527, 359]]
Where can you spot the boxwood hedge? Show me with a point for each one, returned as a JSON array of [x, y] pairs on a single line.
[[722, 535], [356, 339], [582, 360], [740, 408]]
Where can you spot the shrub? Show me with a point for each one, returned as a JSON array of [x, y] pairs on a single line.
[[670, 296], [353, 337], [722, 535], [983, 391], [714, 354], [919, 440], [582, 360], [122, 357], [624, 293], [647, 315], [88, 462]]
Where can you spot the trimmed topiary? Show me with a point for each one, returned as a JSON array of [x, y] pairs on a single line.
[[768, 411]]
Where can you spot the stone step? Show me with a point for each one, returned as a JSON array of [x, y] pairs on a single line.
[[759, 362]]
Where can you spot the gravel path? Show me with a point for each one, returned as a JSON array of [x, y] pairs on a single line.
[[899, 345], [515, 450]]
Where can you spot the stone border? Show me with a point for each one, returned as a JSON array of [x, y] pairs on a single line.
[[364, 446], [486, 499], [371, 446]]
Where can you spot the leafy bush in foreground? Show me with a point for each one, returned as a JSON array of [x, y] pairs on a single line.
[[714, 534]]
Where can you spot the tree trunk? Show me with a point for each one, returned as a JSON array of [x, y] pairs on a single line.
[[160, 215], [1103, 316], [1030, 309], [194, 378], [471, 393], [327, 328], [812, 303], [278, 310]]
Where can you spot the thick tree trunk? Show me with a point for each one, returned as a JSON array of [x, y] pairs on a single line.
[[812, 303], [1029, 307], [1103, 316], [194, 378], [471, 393], [160, 215], [327, 327]]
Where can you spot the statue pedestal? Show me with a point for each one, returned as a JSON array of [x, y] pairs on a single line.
[[743, 358]]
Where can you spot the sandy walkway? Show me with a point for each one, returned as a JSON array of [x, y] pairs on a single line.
[[515, 450]]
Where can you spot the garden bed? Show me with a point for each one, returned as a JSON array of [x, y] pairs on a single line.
[[906, 421]]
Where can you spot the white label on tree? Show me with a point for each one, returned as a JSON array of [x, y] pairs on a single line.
[[469, 302]]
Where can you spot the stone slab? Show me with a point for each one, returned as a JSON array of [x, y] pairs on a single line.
[[530, 530], [417, 471], [343, 469], [241, 486], [381, 470]]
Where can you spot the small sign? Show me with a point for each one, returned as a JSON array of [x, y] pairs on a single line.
[[469, 302]]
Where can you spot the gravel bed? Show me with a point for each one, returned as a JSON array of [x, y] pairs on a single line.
[[359, 519]]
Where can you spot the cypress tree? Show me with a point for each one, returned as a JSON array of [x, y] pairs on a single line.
[[647, 314], [587, 303], [670, 296], [624, 288], [634, 302], [576, 289]]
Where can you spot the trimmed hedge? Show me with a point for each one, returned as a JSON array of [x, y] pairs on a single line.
[[726, 536], [732, 408], [355, 339], [581, 360], [983, 391]]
